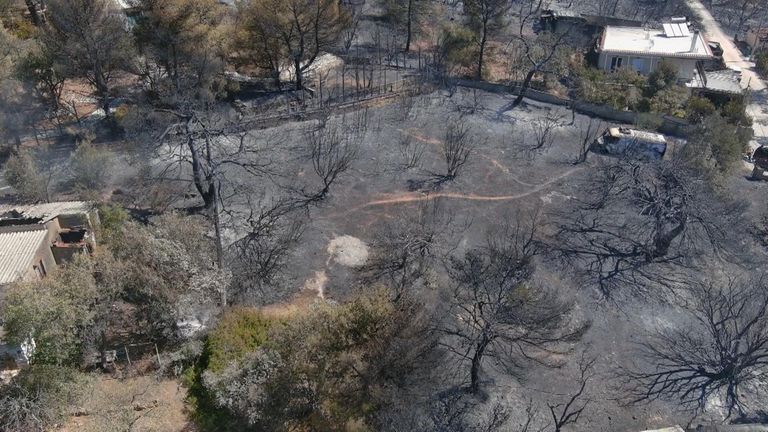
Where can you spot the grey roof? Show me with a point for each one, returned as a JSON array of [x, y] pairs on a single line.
[[48, 211], [17, 250], [727, 81]]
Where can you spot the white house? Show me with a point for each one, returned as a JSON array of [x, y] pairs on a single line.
[[642, 49]]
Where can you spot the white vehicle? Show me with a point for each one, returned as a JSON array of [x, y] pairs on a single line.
[[625, 141]]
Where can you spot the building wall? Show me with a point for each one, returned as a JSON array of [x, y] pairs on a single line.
[[647, 64], [44, 255]]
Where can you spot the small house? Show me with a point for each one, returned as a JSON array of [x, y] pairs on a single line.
[[643, 49], [34, 239]]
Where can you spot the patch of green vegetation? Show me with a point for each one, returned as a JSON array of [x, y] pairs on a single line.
[[240, 331], [204, 411], [761, 63]]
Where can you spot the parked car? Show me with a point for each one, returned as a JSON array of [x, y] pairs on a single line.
[[760, 159], [716, 49]]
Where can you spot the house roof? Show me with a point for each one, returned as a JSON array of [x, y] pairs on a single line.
[[724, 81], [17, 250], [654, 42], [48, 211]]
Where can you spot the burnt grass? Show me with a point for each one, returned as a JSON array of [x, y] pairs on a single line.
[[503, 179]]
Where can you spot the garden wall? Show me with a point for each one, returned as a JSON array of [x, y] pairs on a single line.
[[669, 125]]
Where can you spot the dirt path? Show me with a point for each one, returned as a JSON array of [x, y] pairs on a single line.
[[412, 197]]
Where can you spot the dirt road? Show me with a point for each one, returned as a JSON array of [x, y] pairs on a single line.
[[758, 109]]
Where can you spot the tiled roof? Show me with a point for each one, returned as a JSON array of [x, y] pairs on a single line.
[[48, 211], [17, 250]]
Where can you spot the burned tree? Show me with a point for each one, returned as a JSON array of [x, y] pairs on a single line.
[[640, 225], [588, 133], [199, 147], [718, 353], [332, 147], [405, 252], [261, 256], [457, 147], [541, 54], [498, 313], [569, 411], [543, 132]]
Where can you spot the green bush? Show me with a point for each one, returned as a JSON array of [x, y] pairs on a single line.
[[620, 90], [23, 174], [90, 167], [456, 46], [734, 111], [240, 331], [699, 108], [38, 397], [112, 217], [662, 78], [761, 63], [670, 101]]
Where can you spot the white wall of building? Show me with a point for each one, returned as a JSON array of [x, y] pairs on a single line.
[[647, 64]]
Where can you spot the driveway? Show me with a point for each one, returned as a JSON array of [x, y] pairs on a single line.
[[758, 108]]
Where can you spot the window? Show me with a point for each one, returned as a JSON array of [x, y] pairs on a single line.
[[641, 65], [616, 63], [40, 269]]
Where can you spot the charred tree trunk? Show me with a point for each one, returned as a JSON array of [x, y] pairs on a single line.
[[523, 89], [33, 12], [298, 72], [477, 360], [481, 55], [409, 26]]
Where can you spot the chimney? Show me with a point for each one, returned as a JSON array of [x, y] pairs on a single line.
[[694, 39]]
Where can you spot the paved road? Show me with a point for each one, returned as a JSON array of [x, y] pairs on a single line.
[[758, 109]]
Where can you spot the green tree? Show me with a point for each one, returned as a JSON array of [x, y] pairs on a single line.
[[40, 71], [90, 40], [407, 16], [670, 101], [23, 174], [735, 111], [301, 29], [170, 272], [698, 108], [486, 19], [761, 63], [663, 77], [716, 145], [90, 167], [328, 369], [187, 40], [66, 314]]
